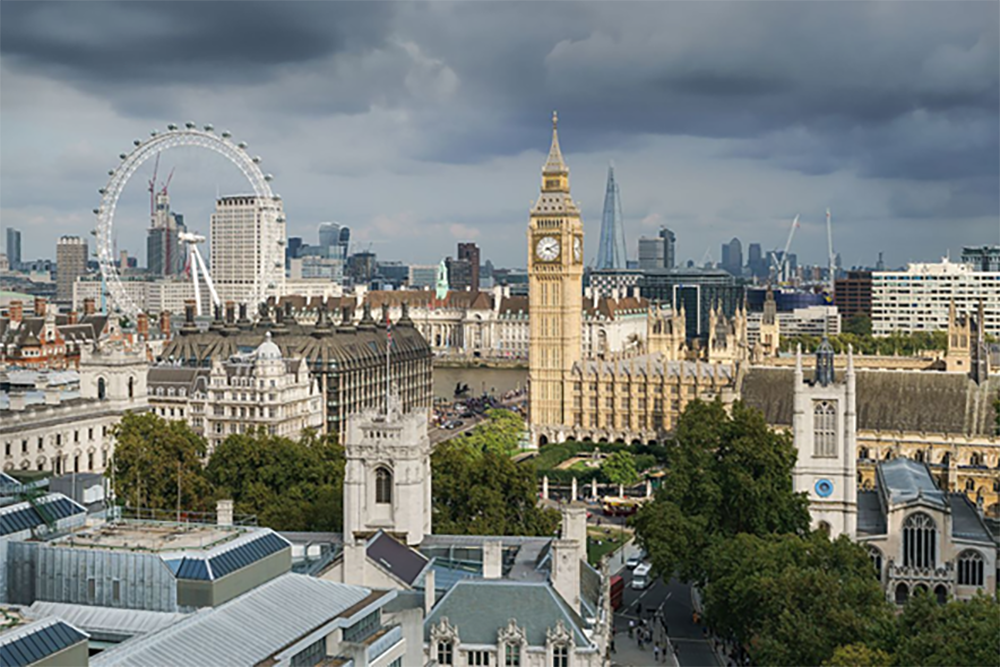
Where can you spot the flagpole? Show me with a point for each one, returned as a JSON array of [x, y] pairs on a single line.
[[388, 352]]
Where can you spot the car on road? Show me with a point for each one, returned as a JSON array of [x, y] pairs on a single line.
[[643, 576], [634, 561]]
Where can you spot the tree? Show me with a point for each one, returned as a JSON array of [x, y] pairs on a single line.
[[620, 468], [957, 633], [288, 484], [794, 599], [858, 324], [859, 655], [158, 465], [726, 475], [501, 435], [482, 492]]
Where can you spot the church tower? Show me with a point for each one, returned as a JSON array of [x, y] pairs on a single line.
[[555, 298], [824, 425]]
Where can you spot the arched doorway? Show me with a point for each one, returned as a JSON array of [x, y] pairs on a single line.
[[941, 594], [542, 440], [902, 594]]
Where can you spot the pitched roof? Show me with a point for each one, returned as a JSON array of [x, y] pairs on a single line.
[[904, 481], [250, 628], [479, 608], [105, 623], [25, 515], [403, 562], [926, 401], [36, 641]]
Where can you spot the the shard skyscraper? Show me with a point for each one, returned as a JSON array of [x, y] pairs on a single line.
[[611, 251]]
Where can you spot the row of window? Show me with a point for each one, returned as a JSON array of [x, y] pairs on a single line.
[[58, 438], [445, 655]]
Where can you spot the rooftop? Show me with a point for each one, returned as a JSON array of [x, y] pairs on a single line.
[[151, 536]]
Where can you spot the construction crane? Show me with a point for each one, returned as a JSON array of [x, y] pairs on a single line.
[[152, 187], [780, 265]]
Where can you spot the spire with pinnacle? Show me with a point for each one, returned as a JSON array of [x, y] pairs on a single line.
[[555, 163]]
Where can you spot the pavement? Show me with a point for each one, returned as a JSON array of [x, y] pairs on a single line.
[[673, 601]]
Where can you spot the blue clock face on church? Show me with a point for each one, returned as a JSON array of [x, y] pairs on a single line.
[[824, 488]]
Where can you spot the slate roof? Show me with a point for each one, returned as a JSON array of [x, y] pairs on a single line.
[[480, 608], [229, 556], [904, 481], [965, 520], [36, 641], [927, 401], [105, 623], [403, 562], [264, 622], [871, 518]]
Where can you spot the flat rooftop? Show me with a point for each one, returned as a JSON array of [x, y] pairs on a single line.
[[150, 536]]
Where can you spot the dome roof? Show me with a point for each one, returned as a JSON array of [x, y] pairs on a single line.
[[268, 350]]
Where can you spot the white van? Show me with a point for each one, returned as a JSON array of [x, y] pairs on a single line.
[[642, 577]]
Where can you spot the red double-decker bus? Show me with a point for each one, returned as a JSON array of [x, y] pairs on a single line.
[[617, 590]]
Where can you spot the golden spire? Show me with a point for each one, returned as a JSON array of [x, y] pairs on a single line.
[[555, 164]]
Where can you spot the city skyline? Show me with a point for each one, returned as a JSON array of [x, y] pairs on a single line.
[[716, 131]]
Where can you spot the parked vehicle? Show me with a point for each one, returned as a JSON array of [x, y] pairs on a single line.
[[633, 561], [617, 591]]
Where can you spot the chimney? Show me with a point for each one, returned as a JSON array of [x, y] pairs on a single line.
[[224, 512], [40, 305], [73, 317], [574, 526], [17, 402], [566, 571], [165, 324], [430, 593], [52, 395], [492, 559], [230, 313], [142, 326], [88, 306], [355, 561], [16, 310]]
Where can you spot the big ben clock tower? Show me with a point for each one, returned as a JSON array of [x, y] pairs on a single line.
[[555, 299]]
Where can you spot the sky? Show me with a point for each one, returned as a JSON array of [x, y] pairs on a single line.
[[421, 125]]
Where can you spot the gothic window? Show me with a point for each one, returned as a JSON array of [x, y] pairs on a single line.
[[975, 459], [560, 656], [876, 555], [445, 653], [970, 568], [383, 486], [512, 655], [131, 387], [825, 429], [902, 594], [918, 456], [919, 541], [478, 659], [864, 454], [102, 389], [970, 485]]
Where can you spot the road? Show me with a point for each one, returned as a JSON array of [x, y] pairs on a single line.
[[673, 599]]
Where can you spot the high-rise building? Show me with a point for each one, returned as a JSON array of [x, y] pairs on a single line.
[[164, 252], [732, 257], [853, 294], [756, 262], [422, 276], [919, 298], [669, 248], [611, 253], [71, 263], [14, 247], [555, 295], [459, 274], [470, 253], [361, 267], [651, 253], [241, 226], [982, 258]]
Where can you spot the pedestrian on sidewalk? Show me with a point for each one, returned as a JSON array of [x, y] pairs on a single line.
[[656, 653], [613, 644], [631, 627]]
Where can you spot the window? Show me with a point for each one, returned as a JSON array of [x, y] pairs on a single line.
[[445, 653], [364, 628], [970, 568], [479, 659], [919, 541], [383, 486], [116, 591], [512, 655], [310, 655], [560, 656], [876, 555], [102, 389], [825, 429]]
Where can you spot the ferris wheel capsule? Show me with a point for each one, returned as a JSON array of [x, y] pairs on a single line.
[[136, 142], [111, 172], [102, 191], [122, 156], [256, 159], [190, 125], [172, 126], [226, 134], [242, 145], [209, 128], [153, 133], [97, 211], [268, 177]]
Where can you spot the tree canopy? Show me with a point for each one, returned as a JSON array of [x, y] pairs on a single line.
[[958, 633], [500, 435], [620, 468], [288, 484], [897, 343], [858, 324], [726, 475], [152, 458], [481, 492]]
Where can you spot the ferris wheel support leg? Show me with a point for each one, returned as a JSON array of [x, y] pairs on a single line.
[[194, 278], [208, 278]]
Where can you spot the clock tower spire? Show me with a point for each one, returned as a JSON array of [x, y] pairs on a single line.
[[555, 298]]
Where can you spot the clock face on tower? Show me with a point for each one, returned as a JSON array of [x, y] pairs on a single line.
[[577, 249], [547, 248]]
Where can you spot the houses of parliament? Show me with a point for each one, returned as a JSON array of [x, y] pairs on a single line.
[[944, 415]]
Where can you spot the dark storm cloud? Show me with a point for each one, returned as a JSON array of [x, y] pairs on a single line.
[[156, 43]]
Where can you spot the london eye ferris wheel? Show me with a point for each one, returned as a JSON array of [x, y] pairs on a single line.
[[270, 265]]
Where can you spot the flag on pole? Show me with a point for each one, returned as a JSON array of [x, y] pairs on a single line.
[[388, 329]]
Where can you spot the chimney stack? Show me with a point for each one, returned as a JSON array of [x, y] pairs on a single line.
[[165, 324], [16, 310], [224, 513], [142, 326], [73, 317], [40, 306], [88, 306], [230, 313], [492, 559], [17, 402], [430, 593]]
